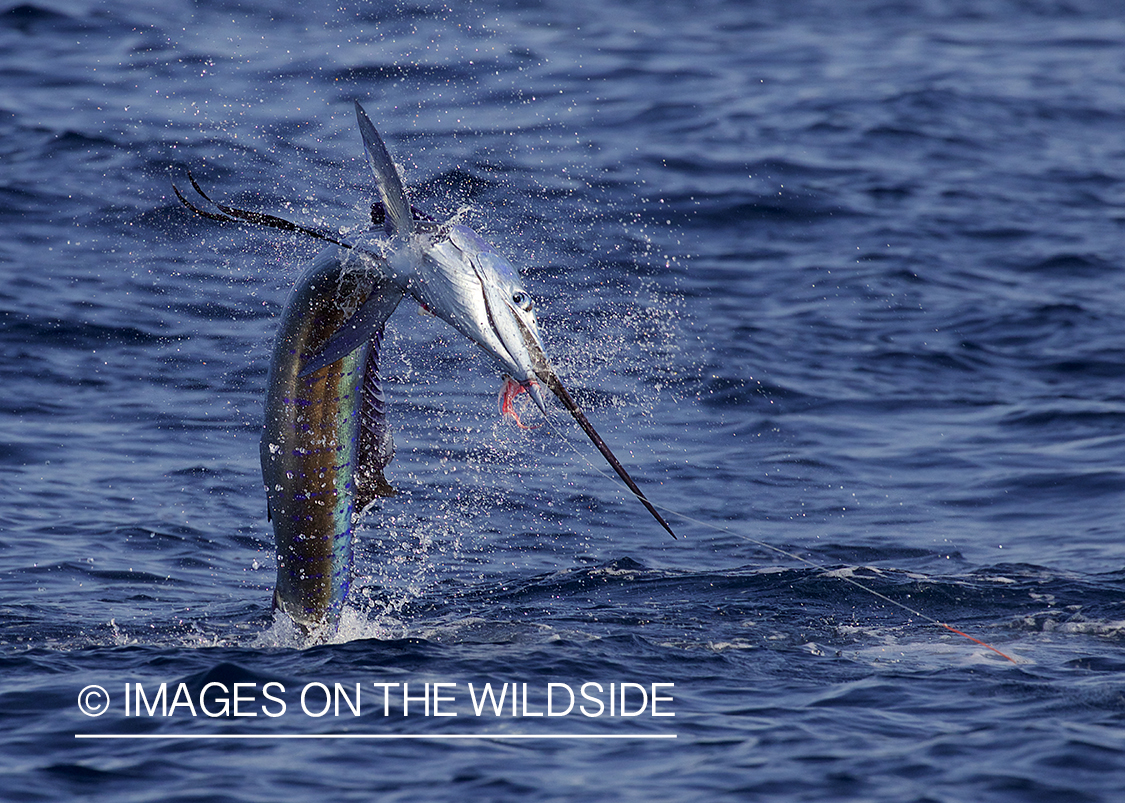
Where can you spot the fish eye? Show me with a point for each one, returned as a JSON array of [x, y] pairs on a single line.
[[522, 300]]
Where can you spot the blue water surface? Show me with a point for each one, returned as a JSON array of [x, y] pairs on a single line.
[[844, 280]]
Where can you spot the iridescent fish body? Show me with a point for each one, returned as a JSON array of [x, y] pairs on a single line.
[[325, 441]]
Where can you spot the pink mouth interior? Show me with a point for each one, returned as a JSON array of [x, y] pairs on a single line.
[[508, 393]]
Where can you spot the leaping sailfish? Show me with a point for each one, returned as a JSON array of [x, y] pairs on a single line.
[[326, 440]]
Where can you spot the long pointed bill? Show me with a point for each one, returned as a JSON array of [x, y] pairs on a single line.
[[548, 377], [541, 367]]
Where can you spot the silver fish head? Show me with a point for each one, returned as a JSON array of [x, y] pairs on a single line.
[[466, 282], [455, 274]]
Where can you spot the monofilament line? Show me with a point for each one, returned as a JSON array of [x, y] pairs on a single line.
[[780, 551]]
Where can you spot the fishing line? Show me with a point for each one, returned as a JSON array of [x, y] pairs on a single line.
[[778, 550]]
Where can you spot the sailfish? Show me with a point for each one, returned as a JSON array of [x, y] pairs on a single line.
[[325, 442]]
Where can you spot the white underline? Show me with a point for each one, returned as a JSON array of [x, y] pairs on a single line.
[[375, 736]]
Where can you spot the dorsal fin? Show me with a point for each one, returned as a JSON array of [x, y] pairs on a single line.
[[376, 444], [399, 220]]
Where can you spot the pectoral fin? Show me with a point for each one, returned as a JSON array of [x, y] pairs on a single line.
[[358, 329]]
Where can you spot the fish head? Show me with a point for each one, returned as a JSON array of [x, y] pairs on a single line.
[[459, 277], [466, 282]]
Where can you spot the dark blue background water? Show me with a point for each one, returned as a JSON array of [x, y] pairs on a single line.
[[843, 278]]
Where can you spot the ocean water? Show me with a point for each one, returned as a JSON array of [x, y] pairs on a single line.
[[843, 284]]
